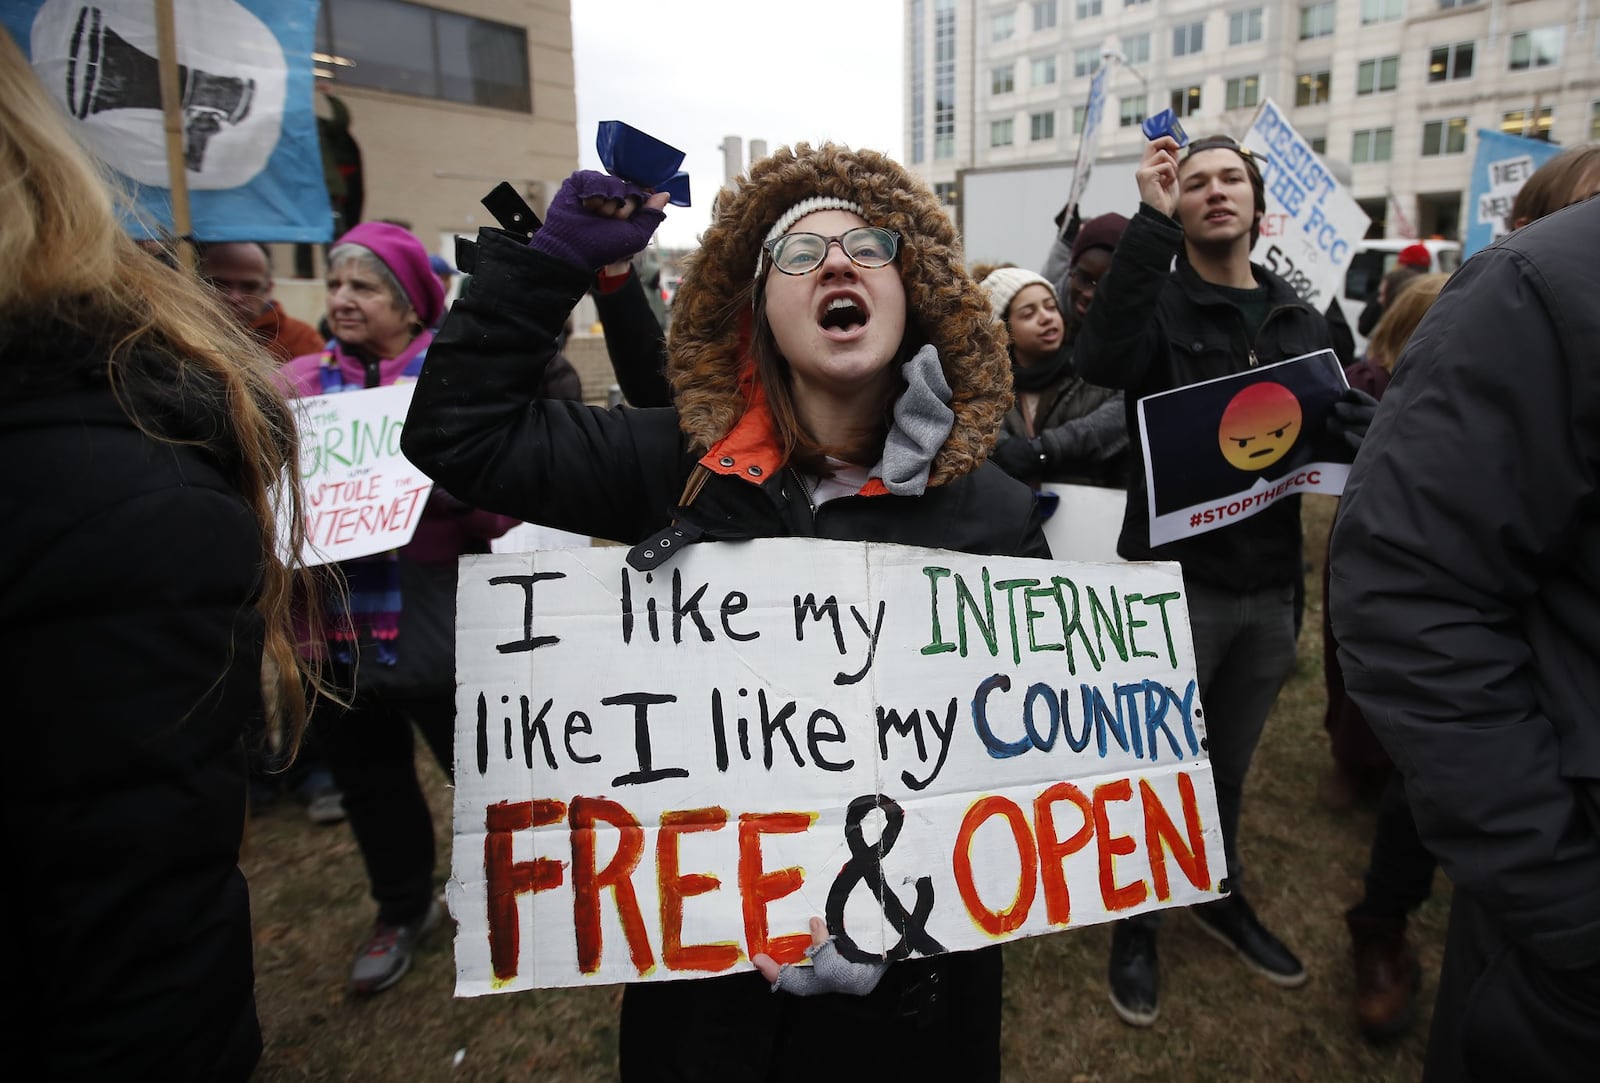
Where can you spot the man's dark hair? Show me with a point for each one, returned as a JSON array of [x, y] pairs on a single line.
[[1252, 168]]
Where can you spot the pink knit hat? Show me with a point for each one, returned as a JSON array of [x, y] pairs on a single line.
[[400, 251]]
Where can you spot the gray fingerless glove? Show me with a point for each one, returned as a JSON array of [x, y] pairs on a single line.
[[588, 240], [829, 972]]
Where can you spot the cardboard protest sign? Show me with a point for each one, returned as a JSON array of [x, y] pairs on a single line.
[[1223, 450], [660, 775], [1309, 231], [1503, 164], [1085, 523], [252, 163], [361, 495]]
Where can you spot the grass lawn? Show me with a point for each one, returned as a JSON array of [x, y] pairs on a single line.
[[1218, 1020]]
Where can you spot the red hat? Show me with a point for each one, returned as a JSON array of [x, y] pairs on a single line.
[[1416, 255]]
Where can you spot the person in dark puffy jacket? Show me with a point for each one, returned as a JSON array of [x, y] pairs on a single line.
[[825, 385], [144, 607], [1465, 592], [1061, 428]]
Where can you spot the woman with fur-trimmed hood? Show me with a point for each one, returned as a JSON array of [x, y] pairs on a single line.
[[836, 374]]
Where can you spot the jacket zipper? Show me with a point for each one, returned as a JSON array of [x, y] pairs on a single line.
[[811, 500]]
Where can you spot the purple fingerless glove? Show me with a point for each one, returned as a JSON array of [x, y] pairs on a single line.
[[585, 239]]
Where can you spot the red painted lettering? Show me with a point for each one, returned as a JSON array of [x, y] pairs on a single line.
[[1161, 835], [1130, 895], [676, 886], [1053, 851], [757, 888], [505, 878], [994, 922], [587, 883]]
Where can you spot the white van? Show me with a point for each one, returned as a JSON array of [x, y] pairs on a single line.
[[1376, 257]]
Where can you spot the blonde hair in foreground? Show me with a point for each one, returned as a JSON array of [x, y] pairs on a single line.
[[1405, 312], [67, 258]]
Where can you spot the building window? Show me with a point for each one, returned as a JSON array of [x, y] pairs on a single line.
[[1378, 75], [1136, 49], [411, 49], [1000, 133], [1594, 122], [1088, 8], [1044, 71], [1085, 60], [1372, 145], [945, 192], [1133, 3], [1528, 123], [1536, 48], [1444, 137], [1044, 14], [1002, 80], [1186, 101], [1312, 87], [919, 98], [1002, 27], [1188, 39], [1243, 92], [1447, 4], [1041, 126], [1132, 111], [1080, 116], [1319, 143], [1316, 20], [1450, 62], [1381, 11], [944, 80], [1244, 26]]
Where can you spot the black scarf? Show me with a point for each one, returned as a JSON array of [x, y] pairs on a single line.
[[1041, 374]]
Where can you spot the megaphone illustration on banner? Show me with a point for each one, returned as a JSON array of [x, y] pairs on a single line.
[[104, 72]]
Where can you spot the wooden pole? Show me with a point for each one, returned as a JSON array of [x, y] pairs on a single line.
[[172, 115]]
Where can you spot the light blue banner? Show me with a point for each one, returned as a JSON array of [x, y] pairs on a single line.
[[252, 161], [1503, 163]]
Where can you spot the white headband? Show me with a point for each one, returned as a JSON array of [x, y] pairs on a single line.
[[799, 211]]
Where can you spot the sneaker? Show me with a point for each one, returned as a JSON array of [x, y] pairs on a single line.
[[326, 807], [386, 956], [1134, 976], [1232, 921]]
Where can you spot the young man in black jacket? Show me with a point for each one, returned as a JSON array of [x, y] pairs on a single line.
[[1152, 328]]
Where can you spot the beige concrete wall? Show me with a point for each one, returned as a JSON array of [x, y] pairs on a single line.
[[429, 162]]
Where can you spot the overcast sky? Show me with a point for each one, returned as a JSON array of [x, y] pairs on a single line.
[[692, 71]]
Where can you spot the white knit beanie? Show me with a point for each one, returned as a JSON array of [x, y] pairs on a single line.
[[799, 211], [1005, 283]]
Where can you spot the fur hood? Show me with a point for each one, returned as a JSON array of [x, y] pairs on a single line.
[[711, 315]]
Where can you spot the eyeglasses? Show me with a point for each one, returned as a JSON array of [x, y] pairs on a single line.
[[802, 253]]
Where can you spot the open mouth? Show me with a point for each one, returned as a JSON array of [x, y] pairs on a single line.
[[843, 315]]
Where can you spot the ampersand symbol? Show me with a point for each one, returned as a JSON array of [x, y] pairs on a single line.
[[864, 867]]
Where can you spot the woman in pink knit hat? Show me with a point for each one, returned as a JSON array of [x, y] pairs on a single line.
[[394, 613]]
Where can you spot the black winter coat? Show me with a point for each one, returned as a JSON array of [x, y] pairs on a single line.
[[475, 427], [1466, 596], [1152, 328], [131, 652]]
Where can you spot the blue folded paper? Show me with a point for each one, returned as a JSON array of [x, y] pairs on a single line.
[[642, 159], [1164, 123]]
